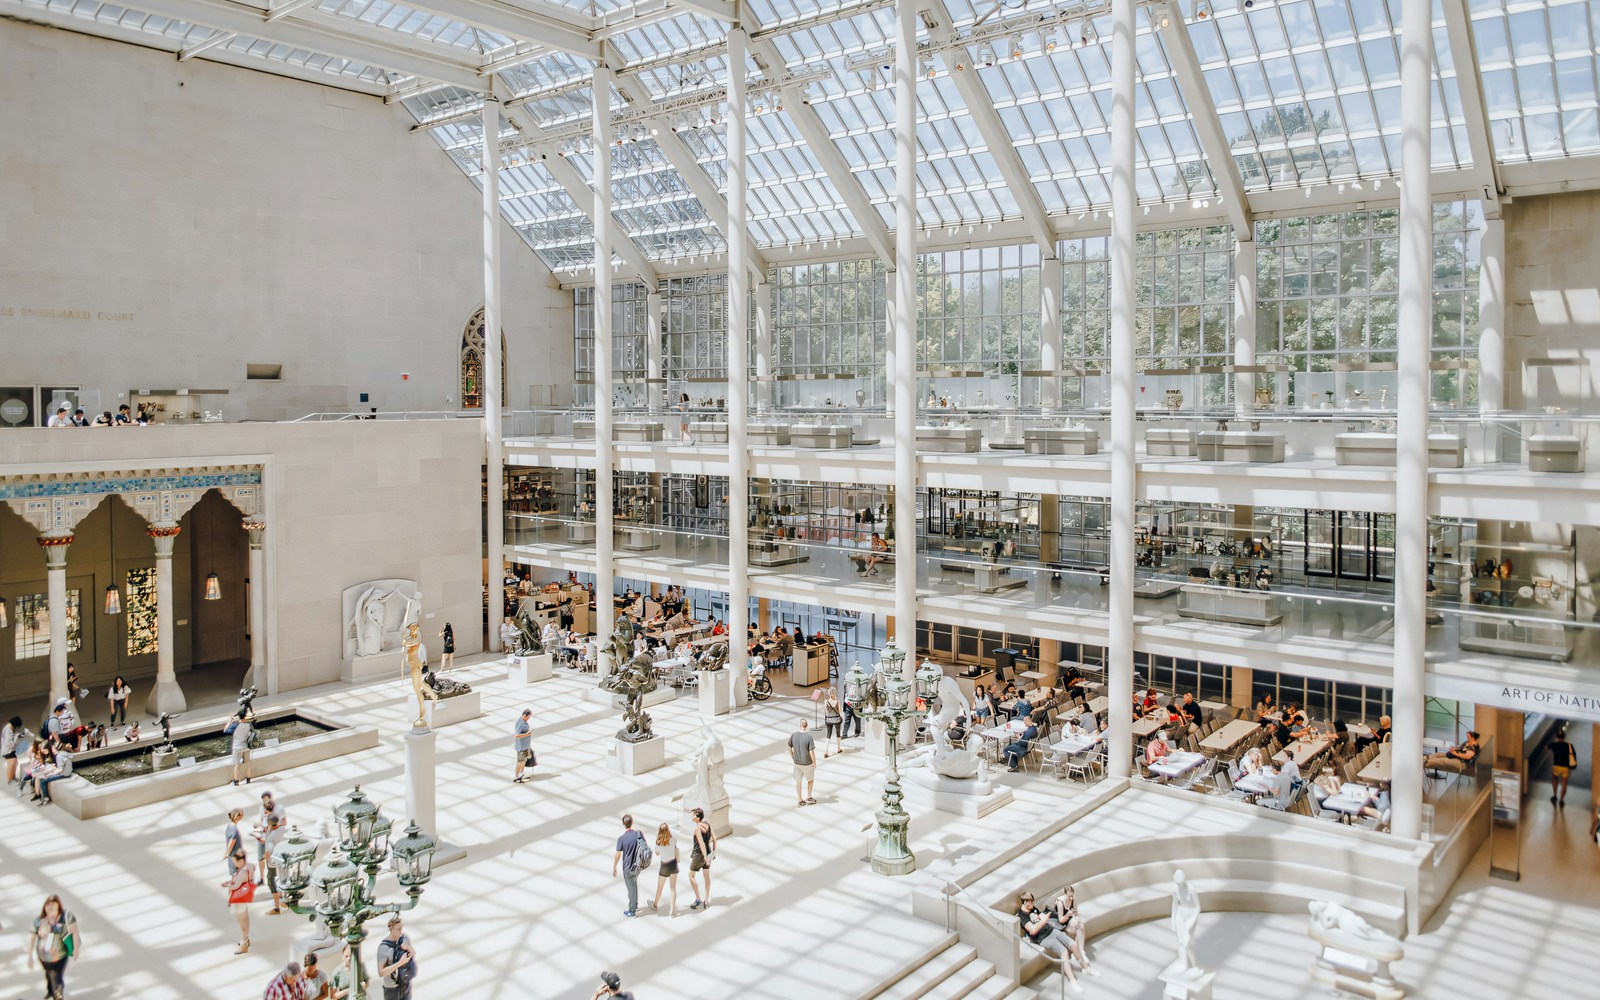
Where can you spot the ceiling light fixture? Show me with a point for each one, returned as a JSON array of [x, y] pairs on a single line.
[[1201, 12]]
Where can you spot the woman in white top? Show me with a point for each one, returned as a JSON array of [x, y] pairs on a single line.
[[11, 737], [117, 698], [667, 848], [1252, 761]]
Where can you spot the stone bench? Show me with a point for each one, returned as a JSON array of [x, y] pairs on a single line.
[[709, 431], [623, 430], [957, 440], [1445, 451], [1239, 446], [1555, 453], [1061, 441], [820, 436], [768, 434], [1168, 442]]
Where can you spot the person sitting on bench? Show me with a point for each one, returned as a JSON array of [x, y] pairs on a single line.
[[879, 546], [1456, 759]]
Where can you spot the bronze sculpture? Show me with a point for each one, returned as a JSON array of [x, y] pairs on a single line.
[[633, 680], [715, 657], [528, 641]]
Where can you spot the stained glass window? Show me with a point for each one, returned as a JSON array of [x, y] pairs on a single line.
[[472, 352], [33, 624]]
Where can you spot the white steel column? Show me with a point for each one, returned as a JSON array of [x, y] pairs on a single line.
[[1119, 655], [494, 522], [1244, 323], [55, 562], [1049, 333], [738, 366], [654, 349], [766, 388], [165, 696], [905, 330], [1492, 317], [890, 283], [603, 390], [1415, 320], [258, 605]]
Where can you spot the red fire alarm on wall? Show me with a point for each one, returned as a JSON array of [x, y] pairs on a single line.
[[405, 376]]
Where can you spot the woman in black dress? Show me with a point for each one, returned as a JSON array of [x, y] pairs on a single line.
[[448, 658]]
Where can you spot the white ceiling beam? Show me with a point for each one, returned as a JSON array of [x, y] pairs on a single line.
[[1474, 108], [210, 42], [827, 155], [582, 195], [518, 22], [721, 10], [225, 15], [1203, 114], [288, 7], [980, 105], [705, 191]]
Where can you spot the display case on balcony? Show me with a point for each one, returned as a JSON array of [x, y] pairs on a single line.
[[1557, 391], [1519, 597]]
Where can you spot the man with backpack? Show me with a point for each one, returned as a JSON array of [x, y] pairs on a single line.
[[634, 856], [397, 962]]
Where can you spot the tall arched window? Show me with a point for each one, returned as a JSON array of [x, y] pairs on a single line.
[[472, 351]]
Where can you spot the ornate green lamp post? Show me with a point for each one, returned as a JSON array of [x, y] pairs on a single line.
[[346, 882], [885, 696]]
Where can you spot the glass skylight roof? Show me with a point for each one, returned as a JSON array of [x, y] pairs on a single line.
[[1306, 93]]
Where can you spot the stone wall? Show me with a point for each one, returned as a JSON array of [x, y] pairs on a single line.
[[168, 223], [1553, 298]]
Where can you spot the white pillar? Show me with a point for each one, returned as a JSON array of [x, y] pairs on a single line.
[[258, 607], [1415, 320], [1119, 655], [166, 696], [1492, 317], [55, 562], [654, 350], [1244, 324], [890, 282], [1049, 333], [905, 330], [495, 524], [766, 388], [420, 787], [738, 365], [604, 447]]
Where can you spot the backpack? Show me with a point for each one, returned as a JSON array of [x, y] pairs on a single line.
[[403, 975], [643, 855]]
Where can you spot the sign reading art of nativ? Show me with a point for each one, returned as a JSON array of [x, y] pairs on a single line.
[[1559, 702], [1575, 704]]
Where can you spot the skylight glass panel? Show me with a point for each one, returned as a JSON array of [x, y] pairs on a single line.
[[420, 25], [1538, 64]]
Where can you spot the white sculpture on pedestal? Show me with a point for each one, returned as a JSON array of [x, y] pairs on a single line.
[[943, 757], [709, 792], [1355, 956], [376, 614], [1185, 916]]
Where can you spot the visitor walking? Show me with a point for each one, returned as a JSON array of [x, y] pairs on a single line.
[[397, 962], [447, 658], [701, 853], [241, 727], [285, 985], [11, 737], [341, 976], [270, 807], [833, 718], [314, 984], [1563, 758], [241, 886], [667, 874], [276, 834], [117, 698], [632, 855], [522, 745], [611, 986], [803, 751], [235, 840], [850, 719], [55, 943]]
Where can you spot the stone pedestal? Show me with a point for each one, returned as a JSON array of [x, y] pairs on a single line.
[[1555, 453], [824, 436], [378, 666], [449, 711], [527, 670], [601, 696], [960, 796], [1186, 984], [767, 434], [1061, 441], [1168, 442], [958, 440], [717, 816], [420, 791], [637, 758], [716, 696], [160, 760]]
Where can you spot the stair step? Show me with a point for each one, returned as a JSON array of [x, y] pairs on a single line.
[[1050, 987], [916, 983], [961, 984], [998, 987], [1022, 993]]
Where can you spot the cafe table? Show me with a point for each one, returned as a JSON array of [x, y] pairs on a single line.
[[1076, 743], [1303, 751], [1175, 764], [1149, 725], [1350, 800], [998, 736], [1380, 767], [1259, 783], [1229, 736]]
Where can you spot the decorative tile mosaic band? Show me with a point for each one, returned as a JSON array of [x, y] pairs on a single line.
[[21, 488]]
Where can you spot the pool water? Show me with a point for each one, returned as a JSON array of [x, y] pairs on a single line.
[[135, 762]]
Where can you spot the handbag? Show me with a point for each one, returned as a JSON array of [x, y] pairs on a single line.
[[245, 892]]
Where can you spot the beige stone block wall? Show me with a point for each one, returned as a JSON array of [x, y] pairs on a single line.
[[1553, 296]]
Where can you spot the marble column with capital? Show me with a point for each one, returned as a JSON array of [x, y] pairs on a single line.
[[257, 675], [166, 696], [55, 561]]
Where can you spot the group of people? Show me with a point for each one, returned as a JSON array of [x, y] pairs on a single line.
[[634, 855], [68, 416], [1058, 931]]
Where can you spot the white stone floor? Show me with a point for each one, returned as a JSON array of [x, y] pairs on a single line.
[[533, 913]]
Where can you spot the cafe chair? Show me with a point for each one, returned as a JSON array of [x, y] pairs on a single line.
[[1200, 776], [1082, 766]]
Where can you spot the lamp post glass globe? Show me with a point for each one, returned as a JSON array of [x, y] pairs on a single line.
[[378, 845], [335, 878], [414, 852], [294, 857], [354, 819]]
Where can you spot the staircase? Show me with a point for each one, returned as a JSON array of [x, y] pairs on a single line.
[[951, 971]]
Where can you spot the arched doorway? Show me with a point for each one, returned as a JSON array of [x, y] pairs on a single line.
[[473, 348]]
